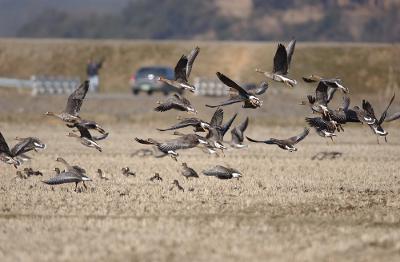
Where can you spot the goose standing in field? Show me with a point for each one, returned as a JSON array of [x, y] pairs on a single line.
[[222, 172], [237, 134], [126, 171], [30, 172], [86, 138], [170, 147], [323, 127], [177, 185], [238, 94], [286, 144], [188, 171], [282, 59], [101, 175], [367, 115], [74, 103], [182, 71], [176, 102]]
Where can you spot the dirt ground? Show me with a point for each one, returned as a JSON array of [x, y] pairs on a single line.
[[286, 206]]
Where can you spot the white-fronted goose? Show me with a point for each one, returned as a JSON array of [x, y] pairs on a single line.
[[282, 60], [333, 83], [237, 134], [323, 127], [86, 138], [74, 103], [286, 144], [176, 102], [238, 95], [182, 71], [126, 171], [30, 172], [367, 115], [222, 172], [188, 171], [11, 156], [101, 175], [198, 125], [177, 185], [68, 177], [170, 147]]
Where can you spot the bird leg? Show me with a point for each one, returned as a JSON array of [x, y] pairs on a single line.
[[84, 184], [386, 139], [76, 186]]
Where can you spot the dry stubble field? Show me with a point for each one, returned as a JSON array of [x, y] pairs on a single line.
[[286, 206]]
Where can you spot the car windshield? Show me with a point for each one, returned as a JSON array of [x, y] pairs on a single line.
[[144, 72]]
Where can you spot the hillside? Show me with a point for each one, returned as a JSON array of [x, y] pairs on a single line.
[[364, 68], [307, 20]]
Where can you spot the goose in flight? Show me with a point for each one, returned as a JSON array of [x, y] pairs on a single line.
[[198, 124], [282, 59], [182, 71], [286, 144], [323, 127], [86, 138], [176, 102], [68, 177], [237, 134], [333, 83], [367, 115], [188, 171], [90, 125], [170, 147], [239, 94], [222, 172], [74, 103], [15, 155]]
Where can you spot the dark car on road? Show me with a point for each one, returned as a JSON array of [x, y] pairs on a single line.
[[146, 80]]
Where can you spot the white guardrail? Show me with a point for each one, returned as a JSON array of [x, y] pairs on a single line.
[[210, 87], [43, 84]]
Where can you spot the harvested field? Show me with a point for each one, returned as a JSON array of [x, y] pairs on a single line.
[[286, 206]]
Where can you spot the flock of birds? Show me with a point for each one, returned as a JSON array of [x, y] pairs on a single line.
[[326, 124]]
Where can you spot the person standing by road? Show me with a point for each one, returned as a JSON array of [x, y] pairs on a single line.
[[92, 71]]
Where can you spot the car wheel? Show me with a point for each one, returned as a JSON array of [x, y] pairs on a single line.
[[135, 92], [150, 92]]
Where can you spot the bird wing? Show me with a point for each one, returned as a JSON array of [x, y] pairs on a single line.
[[98, 138], [184, 123], [237, 136], [281, 60], [64, 177], [317, 122], [383, 116], [311, 78], [191, 57], [346, 103], [243, 126], [172, 102], [330, 92], [183, 142], [321, 94], [148, 141], [298, 138], [230, 101], [180, 69], [394, 116], [22, 147], [75, 100], [257, 90], [290, 51], [368, 108], [229, 82], [218, 171], [260, 141], [3, 145], [227, 125], [217, 118], [84, 132]]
